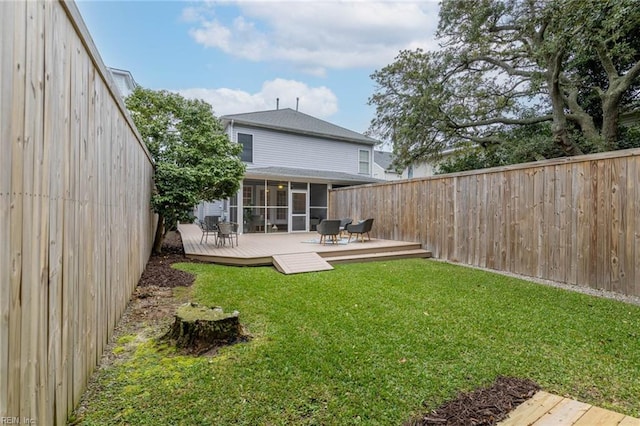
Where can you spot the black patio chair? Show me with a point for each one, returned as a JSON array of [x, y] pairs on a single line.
[[330, 228], [208, 228], [360, 228]]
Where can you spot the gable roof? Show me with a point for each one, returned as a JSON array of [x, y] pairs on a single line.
[[383, 159], [288, 120]]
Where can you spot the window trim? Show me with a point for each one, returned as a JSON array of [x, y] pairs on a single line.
[[242, 157], [361, 162]]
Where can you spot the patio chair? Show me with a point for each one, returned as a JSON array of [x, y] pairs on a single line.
[[206, 230], [212, 221], [234, 231], [329, 228], [360, 228], [225, 231], [343, 224]]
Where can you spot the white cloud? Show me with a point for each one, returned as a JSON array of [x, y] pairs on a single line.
[[317, 35], [319, 102]]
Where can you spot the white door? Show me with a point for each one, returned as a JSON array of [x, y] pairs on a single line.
[[299, 210]]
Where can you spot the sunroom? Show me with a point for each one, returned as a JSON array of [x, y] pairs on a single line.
[[280, 199]]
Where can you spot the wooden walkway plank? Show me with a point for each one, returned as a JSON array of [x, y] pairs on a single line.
[[597, 416], [629, 421], [544, 409], [532, 409], [566, 412]]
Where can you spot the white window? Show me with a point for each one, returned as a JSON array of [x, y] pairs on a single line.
[[364, 162]]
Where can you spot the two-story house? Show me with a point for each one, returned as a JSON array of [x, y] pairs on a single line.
[[293, 160]]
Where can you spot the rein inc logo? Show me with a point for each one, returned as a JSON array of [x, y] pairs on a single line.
[[17, 421]]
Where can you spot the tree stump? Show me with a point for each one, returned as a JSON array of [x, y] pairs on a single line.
[[198, 329]]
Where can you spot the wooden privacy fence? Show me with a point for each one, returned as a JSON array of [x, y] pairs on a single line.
[[75, 223], [569, 220]]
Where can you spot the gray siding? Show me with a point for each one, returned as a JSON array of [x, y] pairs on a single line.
[[271, 148]]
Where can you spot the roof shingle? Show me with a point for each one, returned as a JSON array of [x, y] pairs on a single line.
[[288, 120]]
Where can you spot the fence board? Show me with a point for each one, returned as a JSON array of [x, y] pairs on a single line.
[[75, 225], [56, 117], [634, 231], [618, 227], [7, 31], [571, 220], [18, 81]]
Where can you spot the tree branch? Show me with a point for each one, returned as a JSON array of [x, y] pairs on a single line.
[[503, 120], [482, 141], [605, 60], [624, 82], [499, 28], [505, 66]]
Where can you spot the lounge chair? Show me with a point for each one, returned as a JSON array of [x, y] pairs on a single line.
[[329, 228], [360, 228]]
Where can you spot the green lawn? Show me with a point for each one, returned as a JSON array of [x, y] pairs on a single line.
[[371, 343]]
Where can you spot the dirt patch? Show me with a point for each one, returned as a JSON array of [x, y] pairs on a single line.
[[486, 406], [153, 303]]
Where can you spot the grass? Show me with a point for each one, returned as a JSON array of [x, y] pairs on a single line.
[[371, 343]]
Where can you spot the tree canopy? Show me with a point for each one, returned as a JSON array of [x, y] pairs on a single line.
[[574, 64], [194, 159]]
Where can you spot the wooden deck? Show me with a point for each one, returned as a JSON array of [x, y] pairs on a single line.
[[545, 409], [260, 249]]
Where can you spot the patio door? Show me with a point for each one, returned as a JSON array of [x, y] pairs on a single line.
[[298, 210]]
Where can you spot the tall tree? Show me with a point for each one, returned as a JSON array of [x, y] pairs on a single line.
[[194, 159], [512, 62]]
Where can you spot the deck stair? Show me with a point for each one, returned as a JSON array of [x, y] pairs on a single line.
[[300, 262], [377, 254]]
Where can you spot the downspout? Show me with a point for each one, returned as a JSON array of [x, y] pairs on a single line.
[[239, 203]]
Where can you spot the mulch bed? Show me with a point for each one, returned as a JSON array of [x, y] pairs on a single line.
[[481, 407], [159, 272]]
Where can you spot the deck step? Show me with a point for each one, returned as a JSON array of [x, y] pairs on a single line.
[[381, 255], [300, 262]]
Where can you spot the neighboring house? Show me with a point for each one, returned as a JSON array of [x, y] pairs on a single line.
[[419, 170], [383, 169], [293, 160], [124, 81]]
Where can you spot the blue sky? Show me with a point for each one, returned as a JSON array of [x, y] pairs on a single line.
[[241, 55]]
